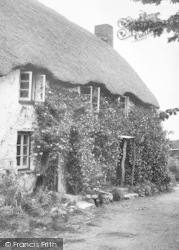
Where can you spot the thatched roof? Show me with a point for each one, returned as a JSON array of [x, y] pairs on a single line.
[[31, 33]]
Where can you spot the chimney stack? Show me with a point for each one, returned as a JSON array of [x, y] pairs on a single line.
[[105, 33]]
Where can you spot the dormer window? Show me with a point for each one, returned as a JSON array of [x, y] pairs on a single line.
[[92, 95], [124, 104], [32, 87]]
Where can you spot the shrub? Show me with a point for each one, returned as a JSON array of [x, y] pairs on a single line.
[[91, 143], [9, 190]]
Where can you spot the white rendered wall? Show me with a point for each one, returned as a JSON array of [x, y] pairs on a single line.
[[14, 117]]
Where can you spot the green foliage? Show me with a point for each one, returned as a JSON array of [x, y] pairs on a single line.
[[157, 2], [91, 143], [155, 25], [151, 146], [31, 207], [21, 213], [163, 115], [73, 168], [10, 193]]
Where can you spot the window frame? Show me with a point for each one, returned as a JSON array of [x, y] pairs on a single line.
[[22, 155], [91, 96], [126, 105], [32, 87], [43, 85], [98, 100], [29, 98]]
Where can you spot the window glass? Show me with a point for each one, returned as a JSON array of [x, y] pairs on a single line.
[[32, 87], [39, 79], [39, 88], [18, 161], [25, 76], [18, 139], [92, 94], [86, 90], [24, 93], [24, 85], [25, 161], [18, 150], [23, 147], [25, 139], [95, 95], [25, 150]]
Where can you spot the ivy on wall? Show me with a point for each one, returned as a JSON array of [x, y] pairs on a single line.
[[91, 143]]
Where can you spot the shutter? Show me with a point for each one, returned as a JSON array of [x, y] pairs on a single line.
[[39, 88]]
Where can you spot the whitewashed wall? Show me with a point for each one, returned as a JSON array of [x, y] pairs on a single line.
[[14, 117]]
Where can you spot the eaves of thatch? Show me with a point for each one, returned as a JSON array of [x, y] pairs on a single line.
[[31, 33]]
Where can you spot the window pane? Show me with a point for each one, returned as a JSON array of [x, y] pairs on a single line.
[[95, 99], [25, 139], [18, 161], [122, 99], [18, 150], [24, 93], [85, 90], [24, 85], [39, 88], [24, 76], [25, 150], [95, 91], [25, 161], [95, 106], [122, 104], [38, 96], [87, 98], [18, 139], [39, 79]]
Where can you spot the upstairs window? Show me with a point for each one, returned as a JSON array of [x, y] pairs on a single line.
[[39, 88], [124, 103], [32, 87], [25, 86], [92, 95], [23, 150]]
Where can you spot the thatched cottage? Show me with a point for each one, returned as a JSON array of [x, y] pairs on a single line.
[[35, 39]]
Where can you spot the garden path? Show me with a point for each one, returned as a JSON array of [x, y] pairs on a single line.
[[141, 224]]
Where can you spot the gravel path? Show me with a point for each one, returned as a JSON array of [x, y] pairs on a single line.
[[142, 224]]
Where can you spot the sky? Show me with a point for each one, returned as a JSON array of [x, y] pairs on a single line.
[[154, 59]]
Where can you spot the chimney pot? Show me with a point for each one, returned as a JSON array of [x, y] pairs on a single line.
[[105, 33]]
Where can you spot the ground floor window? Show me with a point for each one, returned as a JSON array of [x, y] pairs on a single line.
[[23, 150]]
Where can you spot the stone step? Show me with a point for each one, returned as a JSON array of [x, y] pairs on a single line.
[[72, 197], [84, 205], [123, 190], [130, 196]]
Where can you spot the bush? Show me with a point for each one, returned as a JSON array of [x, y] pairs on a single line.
[[9, 190], [23, 213], [91, 144]]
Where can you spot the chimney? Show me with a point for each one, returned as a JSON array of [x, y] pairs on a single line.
[[105, 33]]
